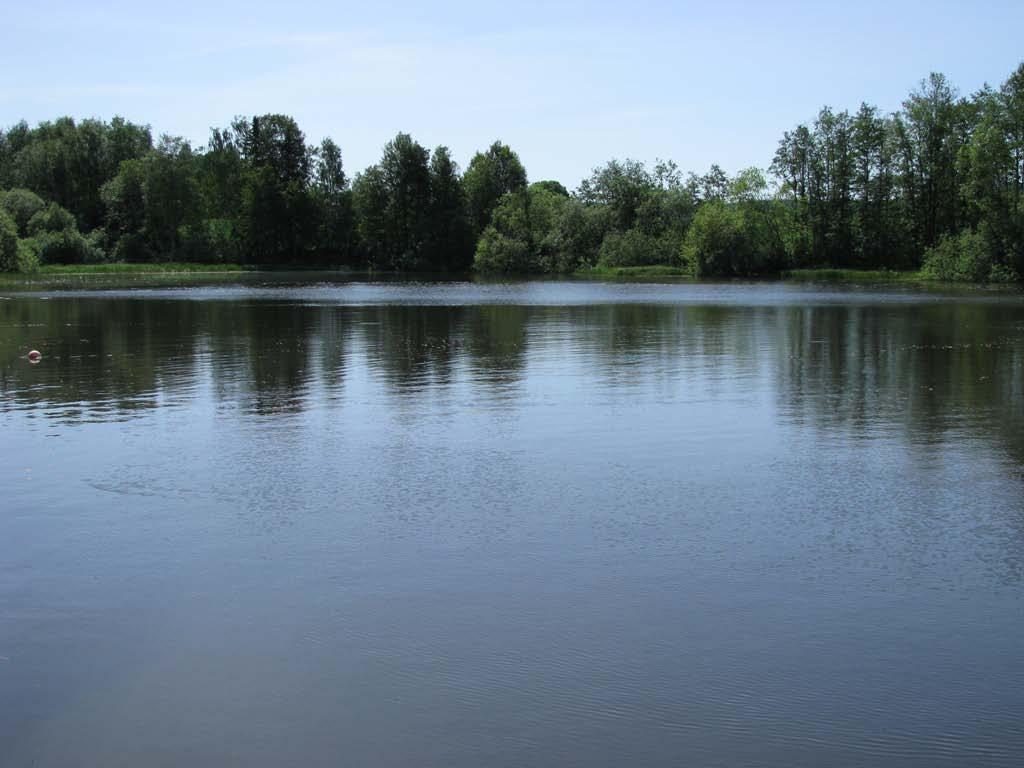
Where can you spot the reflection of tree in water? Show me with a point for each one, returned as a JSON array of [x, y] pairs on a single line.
[[929, 368], [417, 348], [633, 346], [924, 368], [934, 376], [109, 356], [278, 355], [410, 347], [328, 345], [496, 343]]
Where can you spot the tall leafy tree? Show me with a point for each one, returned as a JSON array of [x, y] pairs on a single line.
[[124, 197], [336, 235], [21, 205], [450, 237], [275, 142], [8, 242], [931, 134], [68, 162], [490, 175], [524, 234], [622, 186], [220, 175], [278, 214], [172, 194], [393, 199], [792, 166]]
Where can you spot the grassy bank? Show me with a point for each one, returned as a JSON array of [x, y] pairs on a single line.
[[796, 275], [654, 270], [61, 272], [133, 269], [58, 275], [852, 275]]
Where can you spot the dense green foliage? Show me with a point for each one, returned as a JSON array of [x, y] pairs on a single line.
[[411, 210], [490, 175], [8, 243], [936, 186]]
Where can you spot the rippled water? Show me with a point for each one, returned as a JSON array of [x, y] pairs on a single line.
[[408, 524]]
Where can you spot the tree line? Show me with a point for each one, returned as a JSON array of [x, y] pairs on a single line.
[[936, 185]]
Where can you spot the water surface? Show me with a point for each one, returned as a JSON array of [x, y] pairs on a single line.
[[271, 522]]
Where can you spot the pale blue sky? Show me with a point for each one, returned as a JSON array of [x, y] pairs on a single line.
[[568, 85]]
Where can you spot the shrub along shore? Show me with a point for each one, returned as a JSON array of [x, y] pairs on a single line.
[[932, 191]]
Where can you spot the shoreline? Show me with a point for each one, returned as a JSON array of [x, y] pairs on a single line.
[[624, 274]]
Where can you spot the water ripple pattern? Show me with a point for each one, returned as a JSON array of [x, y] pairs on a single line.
[[320, 521]]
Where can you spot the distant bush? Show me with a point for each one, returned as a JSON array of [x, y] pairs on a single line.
[[1003, 273], [550, 186], [500, 253], [574, 239], [211, 241], [716, 242], [52, 218], [967, 257], [68, 246], [98, 243], [961, 257], [634, 248], [22, 205], [8, 242], [28, 255], [131, 247], [730, 240], [525, 233]]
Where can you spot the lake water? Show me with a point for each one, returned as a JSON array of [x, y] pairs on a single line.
[[283, 522]]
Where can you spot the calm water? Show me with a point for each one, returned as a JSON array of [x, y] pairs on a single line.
[[542, 524]]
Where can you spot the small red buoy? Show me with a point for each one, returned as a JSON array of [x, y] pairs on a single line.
[[35, 356]]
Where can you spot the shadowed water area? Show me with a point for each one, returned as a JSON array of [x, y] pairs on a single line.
[[268, 522]]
